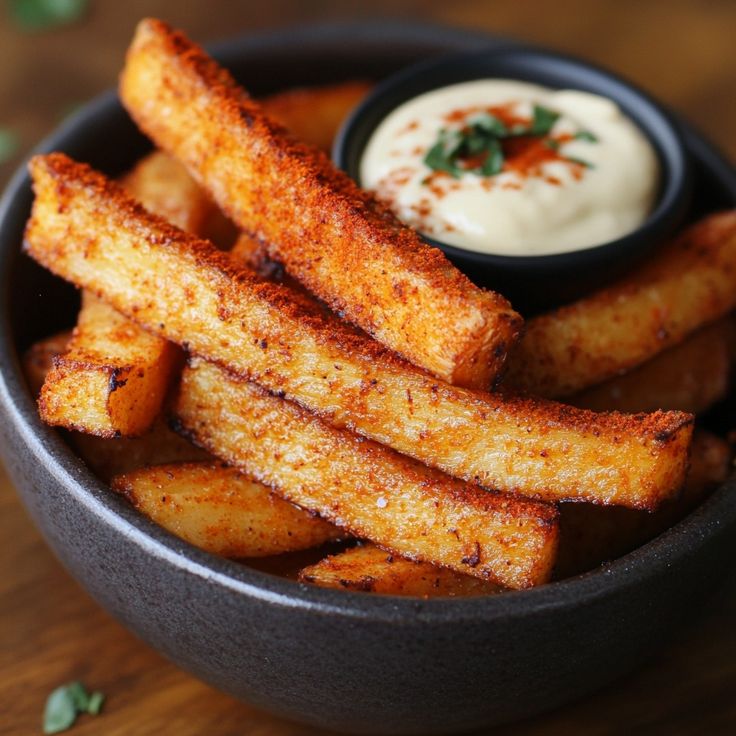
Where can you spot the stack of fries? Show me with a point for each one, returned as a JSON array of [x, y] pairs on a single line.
[[329, 376]]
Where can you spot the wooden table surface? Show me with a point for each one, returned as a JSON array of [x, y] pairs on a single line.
[[51, 632]]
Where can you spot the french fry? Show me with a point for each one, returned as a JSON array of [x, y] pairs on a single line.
[[370, 569], [221, 510], [366, 488], [109, 457], [113, 377], [334, 238], [85, 229], [314, 114], [591, 535], [688, 284], [691, 376]]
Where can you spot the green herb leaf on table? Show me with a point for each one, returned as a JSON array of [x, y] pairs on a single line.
[[41, 15], [60, 712], [9, 144], [66, 703], [94, 706]]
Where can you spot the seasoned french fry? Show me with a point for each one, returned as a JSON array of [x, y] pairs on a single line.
[[370, 569], [688, 284], [109, 457], [113, 377], [221, 510], [366, 488], [691, 376], [591, 535], [314, 114], [85, 229], [336, 239]]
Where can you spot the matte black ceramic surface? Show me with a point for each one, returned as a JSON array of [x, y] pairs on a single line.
[[534, 282], [350, 661]]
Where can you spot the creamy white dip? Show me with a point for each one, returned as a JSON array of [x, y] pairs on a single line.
[[590, 179]]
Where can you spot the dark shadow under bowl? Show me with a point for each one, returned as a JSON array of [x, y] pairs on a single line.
[[348, 661]]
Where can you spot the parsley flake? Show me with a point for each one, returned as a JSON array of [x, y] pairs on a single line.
[[66, 703]]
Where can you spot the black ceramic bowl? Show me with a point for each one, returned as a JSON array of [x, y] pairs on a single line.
[[536, 282], [350, 661]]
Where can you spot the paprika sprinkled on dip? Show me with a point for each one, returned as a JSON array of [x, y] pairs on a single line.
[[512, 168]]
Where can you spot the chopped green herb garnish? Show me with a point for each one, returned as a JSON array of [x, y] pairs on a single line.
[[440, 156], [40, 15], [543, 121], [585, 135], [579, 162], [65, 703], [478, 147], [489, 123], [9, 145], [494, 160]]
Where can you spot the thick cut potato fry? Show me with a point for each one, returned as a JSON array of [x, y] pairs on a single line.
[[591, 535], [364, 487], [688, 284], [314, 114], [85, 229], [370, 569], [113, 377], [336, 239], [221, 510], [109, 457], [691, 376]]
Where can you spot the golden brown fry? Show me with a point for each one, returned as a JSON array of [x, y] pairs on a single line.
[[691, 376], [221, 510], [364, 487], [688, 284], [370, 569], [109, 457], [314, 114], [591, 535], [330, 235], [113, 377], [85, 229], [39, 358]]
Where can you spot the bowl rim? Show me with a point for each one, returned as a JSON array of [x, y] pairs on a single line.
[[668, 140], [76, 480]]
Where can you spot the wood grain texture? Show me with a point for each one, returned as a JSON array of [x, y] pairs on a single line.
[[51, 632]]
